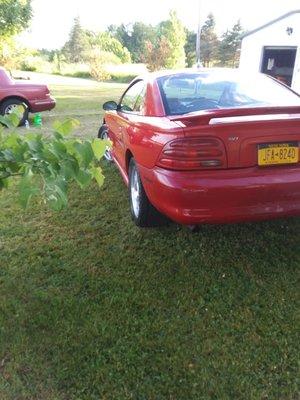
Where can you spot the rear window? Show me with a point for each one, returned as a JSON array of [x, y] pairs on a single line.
[[185, 93]]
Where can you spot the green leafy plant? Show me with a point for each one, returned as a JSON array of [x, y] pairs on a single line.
[[46, 165]]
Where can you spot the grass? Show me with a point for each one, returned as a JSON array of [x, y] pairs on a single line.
[[94, 308], [83, 103]]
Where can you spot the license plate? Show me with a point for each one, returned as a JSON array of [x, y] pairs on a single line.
[[278, 153]]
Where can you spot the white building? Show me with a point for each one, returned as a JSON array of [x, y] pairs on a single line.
[[274, 49]]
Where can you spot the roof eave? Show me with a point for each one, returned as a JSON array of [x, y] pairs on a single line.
[[270, 23]]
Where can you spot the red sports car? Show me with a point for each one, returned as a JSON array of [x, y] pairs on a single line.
[[207, 146], [33, 97]]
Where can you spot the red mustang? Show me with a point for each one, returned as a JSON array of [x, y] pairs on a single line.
[[207, 146], [33, 97]]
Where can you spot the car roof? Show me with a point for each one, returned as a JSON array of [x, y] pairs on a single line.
[[152, 76]]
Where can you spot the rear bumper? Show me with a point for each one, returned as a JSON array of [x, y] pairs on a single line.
[[224, 196], [42, 104]]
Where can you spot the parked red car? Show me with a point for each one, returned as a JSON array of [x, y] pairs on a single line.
[[207, 146], [33, 97]]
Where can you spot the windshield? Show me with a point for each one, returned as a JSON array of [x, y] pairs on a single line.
[[184, 93]]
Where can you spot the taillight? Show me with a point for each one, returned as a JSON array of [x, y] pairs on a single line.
[[193, 154]]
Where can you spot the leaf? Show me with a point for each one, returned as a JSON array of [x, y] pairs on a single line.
[[83, 178], [12, 140], [27, 189], [99, 146], [5, 121], [97, 174], [85, 151], [65, 127], [56, 193], [58, 149], [7, 155], [14, 118], [69, 169]]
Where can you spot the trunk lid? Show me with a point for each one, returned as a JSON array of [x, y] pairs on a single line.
[[243, 130]]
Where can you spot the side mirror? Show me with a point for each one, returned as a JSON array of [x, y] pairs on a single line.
[[110, 106]]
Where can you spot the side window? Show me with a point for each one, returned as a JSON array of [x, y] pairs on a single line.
[[133, 96], [140, 101]]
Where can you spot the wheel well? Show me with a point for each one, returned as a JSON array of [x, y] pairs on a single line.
[[15, 97], [128, 157]]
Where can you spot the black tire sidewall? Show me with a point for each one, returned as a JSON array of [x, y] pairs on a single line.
[[102, 130], [142, 217]]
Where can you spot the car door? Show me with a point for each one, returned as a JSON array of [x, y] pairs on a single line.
[[130, 104]]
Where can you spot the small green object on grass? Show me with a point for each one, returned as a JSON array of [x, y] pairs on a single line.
[[37, 120]]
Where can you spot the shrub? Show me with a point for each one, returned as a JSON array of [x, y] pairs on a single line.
[[47, 165], [122, 78], [25, 66], [99, 60]]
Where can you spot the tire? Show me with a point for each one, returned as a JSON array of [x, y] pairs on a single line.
[[8, 105], [142, 211], [103, 134]]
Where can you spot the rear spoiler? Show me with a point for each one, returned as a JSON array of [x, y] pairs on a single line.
[[253, 118], [232, 115]]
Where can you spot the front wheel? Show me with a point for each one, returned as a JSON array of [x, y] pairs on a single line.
[[103, 134], [142, 211]]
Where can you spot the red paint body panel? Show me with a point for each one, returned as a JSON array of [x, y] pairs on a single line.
[[223, 196], [36, 96], [240, 191]]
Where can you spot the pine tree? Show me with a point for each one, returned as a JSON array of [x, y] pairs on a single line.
[[75, 48], [230, 46], [190, 48], [208, 42]]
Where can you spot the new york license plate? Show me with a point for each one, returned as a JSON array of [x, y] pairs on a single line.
[[278, 153]]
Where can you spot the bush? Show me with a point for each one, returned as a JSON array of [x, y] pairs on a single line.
[[122, 78], [36, 64], [81, 74], [46, 165], [27, 67], [99, 61], [74, 70]]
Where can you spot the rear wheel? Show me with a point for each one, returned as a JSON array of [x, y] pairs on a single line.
[[10, 105], [103, 134], [142, 211]]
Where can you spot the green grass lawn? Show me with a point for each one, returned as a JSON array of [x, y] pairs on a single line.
[[94, 308], [82, 103]]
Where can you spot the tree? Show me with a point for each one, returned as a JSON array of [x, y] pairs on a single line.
[[134, 38], [14, 16], [11, 53], [156, 53], [208, 41], [45, 165], [104, 41], [230, 46], [208, 44], [174, 32], [190, 48], [140, 34], [75, 48], [122, 33]]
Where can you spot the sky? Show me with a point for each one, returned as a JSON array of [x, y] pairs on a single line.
[[53, 19]]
